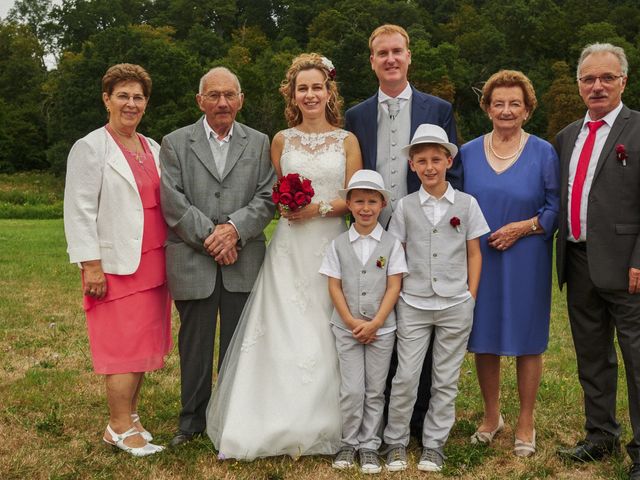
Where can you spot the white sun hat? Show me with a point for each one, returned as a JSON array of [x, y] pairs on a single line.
[[428, 133], [366, 180]]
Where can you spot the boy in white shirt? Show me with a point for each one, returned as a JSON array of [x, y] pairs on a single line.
[[365, 266], [440, 228]]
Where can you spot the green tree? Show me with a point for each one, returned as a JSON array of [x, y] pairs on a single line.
[[74, 89], [22, 74]]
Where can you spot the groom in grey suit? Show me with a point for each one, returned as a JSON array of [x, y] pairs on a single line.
[[598, 249], [216, 197]]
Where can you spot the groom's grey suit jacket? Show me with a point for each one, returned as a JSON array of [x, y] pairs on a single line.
[[196, 197]]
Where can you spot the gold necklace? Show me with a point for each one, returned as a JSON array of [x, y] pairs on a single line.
[[136, 152]]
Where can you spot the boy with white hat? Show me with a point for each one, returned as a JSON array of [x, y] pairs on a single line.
[[440, 229], [365, 266]]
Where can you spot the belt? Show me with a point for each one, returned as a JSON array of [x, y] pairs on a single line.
[[578, 245]]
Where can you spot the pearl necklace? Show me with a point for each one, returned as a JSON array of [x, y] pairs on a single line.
[[514, 154]]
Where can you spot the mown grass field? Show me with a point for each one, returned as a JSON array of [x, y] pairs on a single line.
[[53, 411]]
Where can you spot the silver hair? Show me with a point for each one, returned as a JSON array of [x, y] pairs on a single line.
[[604, 48], [218, 70]]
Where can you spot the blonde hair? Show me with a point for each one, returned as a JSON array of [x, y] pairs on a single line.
[[388, 29], [509, 78], [419, 147], [309, 61], [126, 72]]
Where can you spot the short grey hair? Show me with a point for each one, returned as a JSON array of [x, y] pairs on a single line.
[[604, 48], [218, 70]]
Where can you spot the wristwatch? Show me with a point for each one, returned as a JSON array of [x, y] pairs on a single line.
[[324, 208], [534, 227]]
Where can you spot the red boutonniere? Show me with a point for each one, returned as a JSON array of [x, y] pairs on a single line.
[[381, 262], [455, 223], [621, 153]]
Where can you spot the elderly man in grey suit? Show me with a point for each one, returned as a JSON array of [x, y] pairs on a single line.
[[598, 249], [216, 198]]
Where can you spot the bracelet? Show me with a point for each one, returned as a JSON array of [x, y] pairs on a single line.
[[324, 208]]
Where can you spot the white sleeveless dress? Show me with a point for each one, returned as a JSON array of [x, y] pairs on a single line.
[[278, 389]]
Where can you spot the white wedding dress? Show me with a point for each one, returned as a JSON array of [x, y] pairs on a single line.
[[277, 393]]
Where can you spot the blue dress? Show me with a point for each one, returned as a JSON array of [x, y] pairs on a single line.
[[514, 298]]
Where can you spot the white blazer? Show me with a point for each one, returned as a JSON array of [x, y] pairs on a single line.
[[103, 215]]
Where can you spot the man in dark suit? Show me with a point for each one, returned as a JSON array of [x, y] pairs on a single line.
[[598, 249], [383, 124], [216, 198]]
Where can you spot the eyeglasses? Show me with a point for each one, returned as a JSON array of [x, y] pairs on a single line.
[[124, 98], [606, 79], [215, 97]]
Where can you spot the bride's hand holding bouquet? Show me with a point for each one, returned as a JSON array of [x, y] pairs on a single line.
[[292, 194]]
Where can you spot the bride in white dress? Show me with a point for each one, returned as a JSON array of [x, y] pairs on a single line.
[[277, 392]]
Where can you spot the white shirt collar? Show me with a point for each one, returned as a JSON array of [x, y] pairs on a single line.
[[208, 130], [376, 234], [449, 195], [609, 118], [404, 94]]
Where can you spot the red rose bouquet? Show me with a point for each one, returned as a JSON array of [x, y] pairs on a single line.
[[292, 191]]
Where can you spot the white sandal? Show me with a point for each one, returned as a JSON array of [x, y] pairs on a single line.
[[119, 438], [135, 418], [487, 437], [525, 449]]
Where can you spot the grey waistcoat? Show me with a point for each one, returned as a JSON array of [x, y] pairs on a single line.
[[364, 286], [436, 255], [390, 163]]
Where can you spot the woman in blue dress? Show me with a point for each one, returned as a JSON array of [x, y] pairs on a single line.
[[515, 178]]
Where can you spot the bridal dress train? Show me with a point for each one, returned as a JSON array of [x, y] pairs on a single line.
[[278, 389]]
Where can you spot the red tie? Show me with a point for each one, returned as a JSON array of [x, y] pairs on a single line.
[[581, 174]]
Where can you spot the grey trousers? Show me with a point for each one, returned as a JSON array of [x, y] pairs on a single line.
[[451, 328], [363, 375], [196, 341]]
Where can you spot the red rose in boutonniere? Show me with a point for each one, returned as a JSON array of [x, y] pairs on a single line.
[[381, 262], [455, 223], [621, 153]]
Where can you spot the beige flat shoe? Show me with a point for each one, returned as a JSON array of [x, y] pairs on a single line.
[[486, 438], [525, 449]]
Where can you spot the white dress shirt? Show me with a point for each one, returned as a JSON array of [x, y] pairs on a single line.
[[404, 97], [434, 209], [363, 247], [220, 154], [601, 137]]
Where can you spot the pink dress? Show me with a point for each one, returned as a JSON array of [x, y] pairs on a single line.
[[130, 328]]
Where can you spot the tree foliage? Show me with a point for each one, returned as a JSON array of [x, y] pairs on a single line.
[[456, 45]]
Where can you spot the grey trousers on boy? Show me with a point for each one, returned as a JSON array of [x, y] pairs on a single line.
[[363, 375], [451, 328]]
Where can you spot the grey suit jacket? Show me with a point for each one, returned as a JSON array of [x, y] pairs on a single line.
[[196, 197], [613, 215]]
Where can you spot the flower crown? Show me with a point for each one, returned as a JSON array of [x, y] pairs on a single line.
[[331, 70]]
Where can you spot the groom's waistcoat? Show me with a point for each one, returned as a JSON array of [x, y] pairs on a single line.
[[436, 254], [364, 286], [393, 134]]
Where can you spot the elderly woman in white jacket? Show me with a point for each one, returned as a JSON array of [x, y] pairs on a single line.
[[116, 232]]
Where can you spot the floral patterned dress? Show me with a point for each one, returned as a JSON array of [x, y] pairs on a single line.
[[278, 388]]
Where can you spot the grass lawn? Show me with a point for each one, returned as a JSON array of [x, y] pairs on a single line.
[[53, 411]]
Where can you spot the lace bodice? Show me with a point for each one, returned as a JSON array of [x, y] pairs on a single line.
[[317, 156]]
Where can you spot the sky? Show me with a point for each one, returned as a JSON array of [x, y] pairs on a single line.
[[5, 5]]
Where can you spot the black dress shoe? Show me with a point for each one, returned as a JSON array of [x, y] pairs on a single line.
[[183, 437], [634, 472], [588, 451]]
